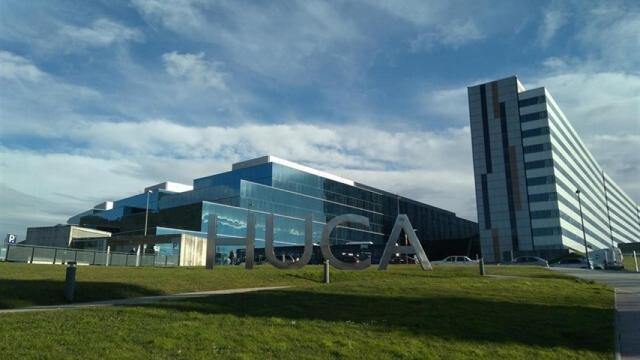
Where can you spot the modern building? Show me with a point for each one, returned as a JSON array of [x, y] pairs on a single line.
[[61, 235], [290, 191], [536, 181]]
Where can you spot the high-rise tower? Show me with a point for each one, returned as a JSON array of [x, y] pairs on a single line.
[[529, 163]]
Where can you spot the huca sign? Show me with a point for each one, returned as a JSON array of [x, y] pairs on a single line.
[[402, 223]]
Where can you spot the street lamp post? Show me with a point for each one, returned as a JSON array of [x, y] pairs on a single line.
[[146, 215], [584, 235], [146, 222]]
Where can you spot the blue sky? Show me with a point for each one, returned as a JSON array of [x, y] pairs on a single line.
[[99, 99]]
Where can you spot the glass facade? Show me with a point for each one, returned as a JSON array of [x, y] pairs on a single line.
[[290, 193]]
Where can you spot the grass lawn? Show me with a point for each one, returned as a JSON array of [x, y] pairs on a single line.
[[629, 264], [450, 312]]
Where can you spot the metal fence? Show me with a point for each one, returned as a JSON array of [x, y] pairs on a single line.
[[51, 255]]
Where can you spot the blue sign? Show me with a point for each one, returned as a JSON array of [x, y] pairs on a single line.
[[11, 239]]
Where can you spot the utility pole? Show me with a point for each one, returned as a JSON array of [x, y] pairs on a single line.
[[584, 234]]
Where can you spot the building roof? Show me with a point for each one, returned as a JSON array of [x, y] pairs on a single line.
[[291, 164], [169, 186]]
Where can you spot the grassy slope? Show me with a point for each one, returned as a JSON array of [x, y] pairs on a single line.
[[401, 313], [629, 264]]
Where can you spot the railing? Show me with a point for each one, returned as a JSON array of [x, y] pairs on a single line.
[[33, 254]]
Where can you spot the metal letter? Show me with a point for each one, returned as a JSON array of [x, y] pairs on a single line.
[[325, 245], [403, 223], [308, 245], [213, 240]]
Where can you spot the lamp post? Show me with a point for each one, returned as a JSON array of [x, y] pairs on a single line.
[[146, 222], [584, 235], [146, 214]]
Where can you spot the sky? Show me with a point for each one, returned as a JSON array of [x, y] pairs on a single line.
[[99, 99]]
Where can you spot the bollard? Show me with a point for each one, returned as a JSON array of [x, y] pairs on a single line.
[[107, 256], [70, 281], [326, 271], [138, 254], [481, 264], [635, 259]]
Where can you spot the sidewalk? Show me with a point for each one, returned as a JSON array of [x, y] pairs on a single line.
[[140, 300], [627, 302]]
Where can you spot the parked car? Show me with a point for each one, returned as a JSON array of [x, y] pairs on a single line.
[[456, 260], [605, 259], [348, 258], [530, 260], [402, 259], [576, 263]]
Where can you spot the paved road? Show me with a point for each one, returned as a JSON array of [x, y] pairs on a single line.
[[627, 286], [140, 300]]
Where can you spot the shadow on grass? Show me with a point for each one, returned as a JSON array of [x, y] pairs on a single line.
[[21, 293], [466, 319], [306, 276]]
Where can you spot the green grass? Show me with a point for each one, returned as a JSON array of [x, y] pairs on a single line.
[[450, 312], [629, 264], [25, 285]]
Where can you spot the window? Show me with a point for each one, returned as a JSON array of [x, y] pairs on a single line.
[[543, 197], [556, 230], [537, 148], [533, 116], [538, 164], [531, 101], [541, 180], [545, 214], [535, 132]]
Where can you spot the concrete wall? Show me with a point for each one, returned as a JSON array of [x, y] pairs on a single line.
[[60, 235], [193, 250]]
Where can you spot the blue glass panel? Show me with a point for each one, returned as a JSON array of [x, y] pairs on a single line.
[[232, 222], [258, 174], [268, 199]]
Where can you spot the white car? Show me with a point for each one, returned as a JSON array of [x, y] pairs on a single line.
[[571, 263], [456, 260]]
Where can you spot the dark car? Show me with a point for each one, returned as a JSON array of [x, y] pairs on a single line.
[[530, 260]]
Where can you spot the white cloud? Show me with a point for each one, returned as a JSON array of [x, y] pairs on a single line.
[[31, 97], [596, 103], [611, 34], [101, 32], [286, 43], [555, 17], [554, 63], [180, 15], [449, 106], [452, 34], [604, 108], [618, 155], [49, 28], [15, 67], [116, 160], [38, 189], [195, 69]]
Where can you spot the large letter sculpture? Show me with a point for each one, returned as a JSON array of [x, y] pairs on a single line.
[[213, 240], [325, 245], [308, 245], [403, 223]]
